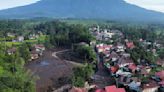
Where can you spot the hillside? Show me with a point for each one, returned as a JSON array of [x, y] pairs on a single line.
[[95, 9]]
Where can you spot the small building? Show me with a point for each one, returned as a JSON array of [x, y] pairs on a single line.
[[114, 69], [112, 88], [135, 86], [130, 45], [33, 36], [160, 74], [103, 47], [122, 62], [150, 87], [75, 89], [39, 47], [120, 48], [132, 67], [20, 38], [34, 55], [160, 62], [10, 34], [124, 73], [11, 51]]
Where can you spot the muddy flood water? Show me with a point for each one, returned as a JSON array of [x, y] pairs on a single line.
[[49, 68]]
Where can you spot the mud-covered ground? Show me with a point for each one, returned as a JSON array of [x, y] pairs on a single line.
[[49, 69]]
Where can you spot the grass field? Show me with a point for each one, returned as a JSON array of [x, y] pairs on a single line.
[[41, 39]]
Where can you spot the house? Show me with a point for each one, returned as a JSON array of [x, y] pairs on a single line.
[[100, 48], [160, 62], [20, 38], [75, 89], [10, 34], [161, 83], [120, 48], [150, 87], [103, 47], [123, 73], [124, 80], [130, 45], [108, 33], [160, 74], [33, 36], [34, 55], [126, 55], [113, 56], [112, 88], [132, 67], [114, 69], [39, 47], [11, 51], [122, 62], [100, 90], [135, 86]]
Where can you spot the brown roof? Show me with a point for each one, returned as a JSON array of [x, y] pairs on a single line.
[[12, 49], [151, 84], [114, 55], [160, 74], [160, 62], [75, 89], [39, 46], [34, 52], [124, 60]]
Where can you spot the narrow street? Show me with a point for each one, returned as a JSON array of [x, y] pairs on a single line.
[[102, 77]]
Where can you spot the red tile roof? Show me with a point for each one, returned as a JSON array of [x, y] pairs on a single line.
[[114, 89], [160, 74], [132, 67], [121, 90], [110, 88], [114, 69], [74, 89], [130, 44], [100, 90], [161, 83], [160, 62]]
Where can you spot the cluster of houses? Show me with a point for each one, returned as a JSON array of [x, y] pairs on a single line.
[[127, 74], [21, 38], [104, 33], [35, 51]]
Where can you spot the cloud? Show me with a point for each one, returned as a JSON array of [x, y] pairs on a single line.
[[5, 4], [156, 5]]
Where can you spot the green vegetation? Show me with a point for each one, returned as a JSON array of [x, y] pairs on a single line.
[[85, 52], [13, 76], [161, 53], [24, 52], [82, 74]]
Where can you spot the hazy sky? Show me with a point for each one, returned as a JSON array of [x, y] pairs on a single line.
[[157, 5], [4, 4]]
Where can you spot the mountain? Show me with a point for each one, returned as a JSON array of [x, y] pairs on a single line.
[[94, 9]]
